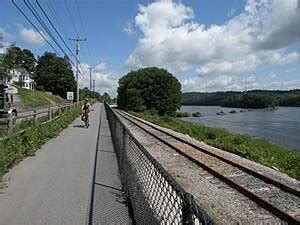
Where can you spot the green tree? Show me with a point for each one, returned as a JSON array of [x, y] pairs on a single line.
[[15, 57], [54, 74], [29, 60], [3, 73], [106, 97], [151, 89]]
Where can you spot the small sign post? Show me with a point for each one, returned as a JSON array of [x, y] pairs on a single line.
[[70, 96]]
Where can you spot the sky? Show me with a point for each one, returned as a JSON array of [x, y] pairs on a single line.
[[209, 45]]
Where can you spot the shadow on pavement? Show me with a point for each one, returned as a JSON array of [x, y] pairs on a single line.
[[79, 126]]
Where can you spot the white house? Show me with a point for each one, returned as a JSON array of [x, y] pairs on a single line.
[[22, 77]]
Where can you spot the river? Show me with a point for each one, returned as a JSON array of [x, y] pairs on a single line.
[[280, 126]]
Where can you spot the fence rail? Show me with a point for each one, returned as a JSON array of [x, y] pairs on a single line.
[[155, 197], [9, 124]]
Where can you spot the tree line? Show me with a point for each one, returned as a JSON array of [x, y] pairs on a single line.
[[251, 99]]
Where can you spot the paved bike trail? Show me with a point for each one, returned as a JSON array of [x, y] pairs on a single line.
[[54, 186]]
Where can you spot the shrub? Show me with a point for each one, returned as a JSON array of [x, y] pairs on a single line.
[[149, 89], [196, 114], [182, 114]]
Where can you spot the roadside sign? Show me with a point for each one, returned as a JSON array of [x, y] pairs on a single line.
[[70, 95]]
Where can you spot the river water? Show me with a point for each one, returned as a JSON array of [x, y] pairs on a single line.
[[280, 126]]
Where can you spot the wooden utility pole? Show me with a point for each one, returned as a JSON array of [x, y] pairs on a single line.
[[78, 40], [91, 78], [94, 88]]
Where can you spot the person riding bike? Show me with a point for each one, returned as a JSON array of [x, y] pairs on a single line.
[[85, 111]]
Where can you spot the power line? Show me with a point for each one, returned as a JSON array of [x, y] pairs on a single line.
[[34, 26], [69, 12], [54, 28], [83, 28], [33, 11], [39, 19], [56, 17], [37, 16], [42, 33]]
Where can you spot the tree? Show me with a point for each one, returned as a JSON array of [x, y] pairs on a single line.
[[106, 97], [3, 74], [151, 89], [54, 74], [29, 61], [15, 57]]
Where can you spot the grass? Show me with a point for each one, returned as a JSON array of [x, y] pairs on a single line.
[[257, 150], [34, 99], [20, 145]]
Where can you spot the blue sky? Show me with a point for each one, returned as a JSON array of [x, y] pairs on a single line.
[[208, 45]]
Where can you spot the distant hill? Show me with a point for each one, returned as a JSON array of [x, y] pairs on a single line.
[[283, 98]]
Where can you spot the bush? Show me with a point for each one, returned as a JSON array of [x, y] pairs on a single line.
[[196, 114], [149, 89], [221, 113], [232, 111], [182, 114]]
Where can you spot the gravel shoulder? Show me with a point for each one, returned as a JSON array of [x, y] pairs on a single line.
[[224, 204]]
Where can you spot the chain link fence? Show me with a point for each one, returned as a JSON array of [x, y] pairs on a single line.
[[155, 197]]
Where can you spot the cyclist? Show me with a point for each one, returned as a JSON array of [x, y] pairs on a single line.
[[85, 111]]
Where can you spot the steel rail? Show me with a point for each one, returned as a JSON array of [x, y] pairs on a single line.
[[255, 198], [260, 176], [186, 196]]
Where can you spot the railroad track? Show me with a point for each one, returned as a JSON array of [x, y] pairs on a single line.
[[281, 200]]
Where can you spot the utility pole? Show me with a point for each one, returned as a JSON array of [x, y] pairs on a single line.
[[91, 78], [94, 88], [78, 40]]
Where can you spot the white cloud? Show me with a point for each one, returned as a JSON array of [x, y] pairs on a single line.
[[31, 37], [231, 13], [171, 38], [129, 29], [105, 80], [271, 81], [278, 58], [234, 67]]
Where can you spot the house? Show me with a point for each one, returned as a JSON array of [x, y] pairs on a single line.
[[22, 77]]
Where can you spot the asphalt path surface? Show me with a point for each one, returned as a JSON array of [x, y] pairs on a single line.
[[54, 186]]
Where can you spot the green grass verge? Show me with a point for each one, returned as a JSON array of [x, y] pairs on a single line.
[[34, 99], [14, 149], [257, 150]]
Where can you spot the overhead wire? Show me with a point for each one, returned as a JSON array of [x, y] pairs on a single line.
[[35, 27], [33, 11], [71, 18], [83, 28], [56, 17], [73, 23], [40, 20]]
